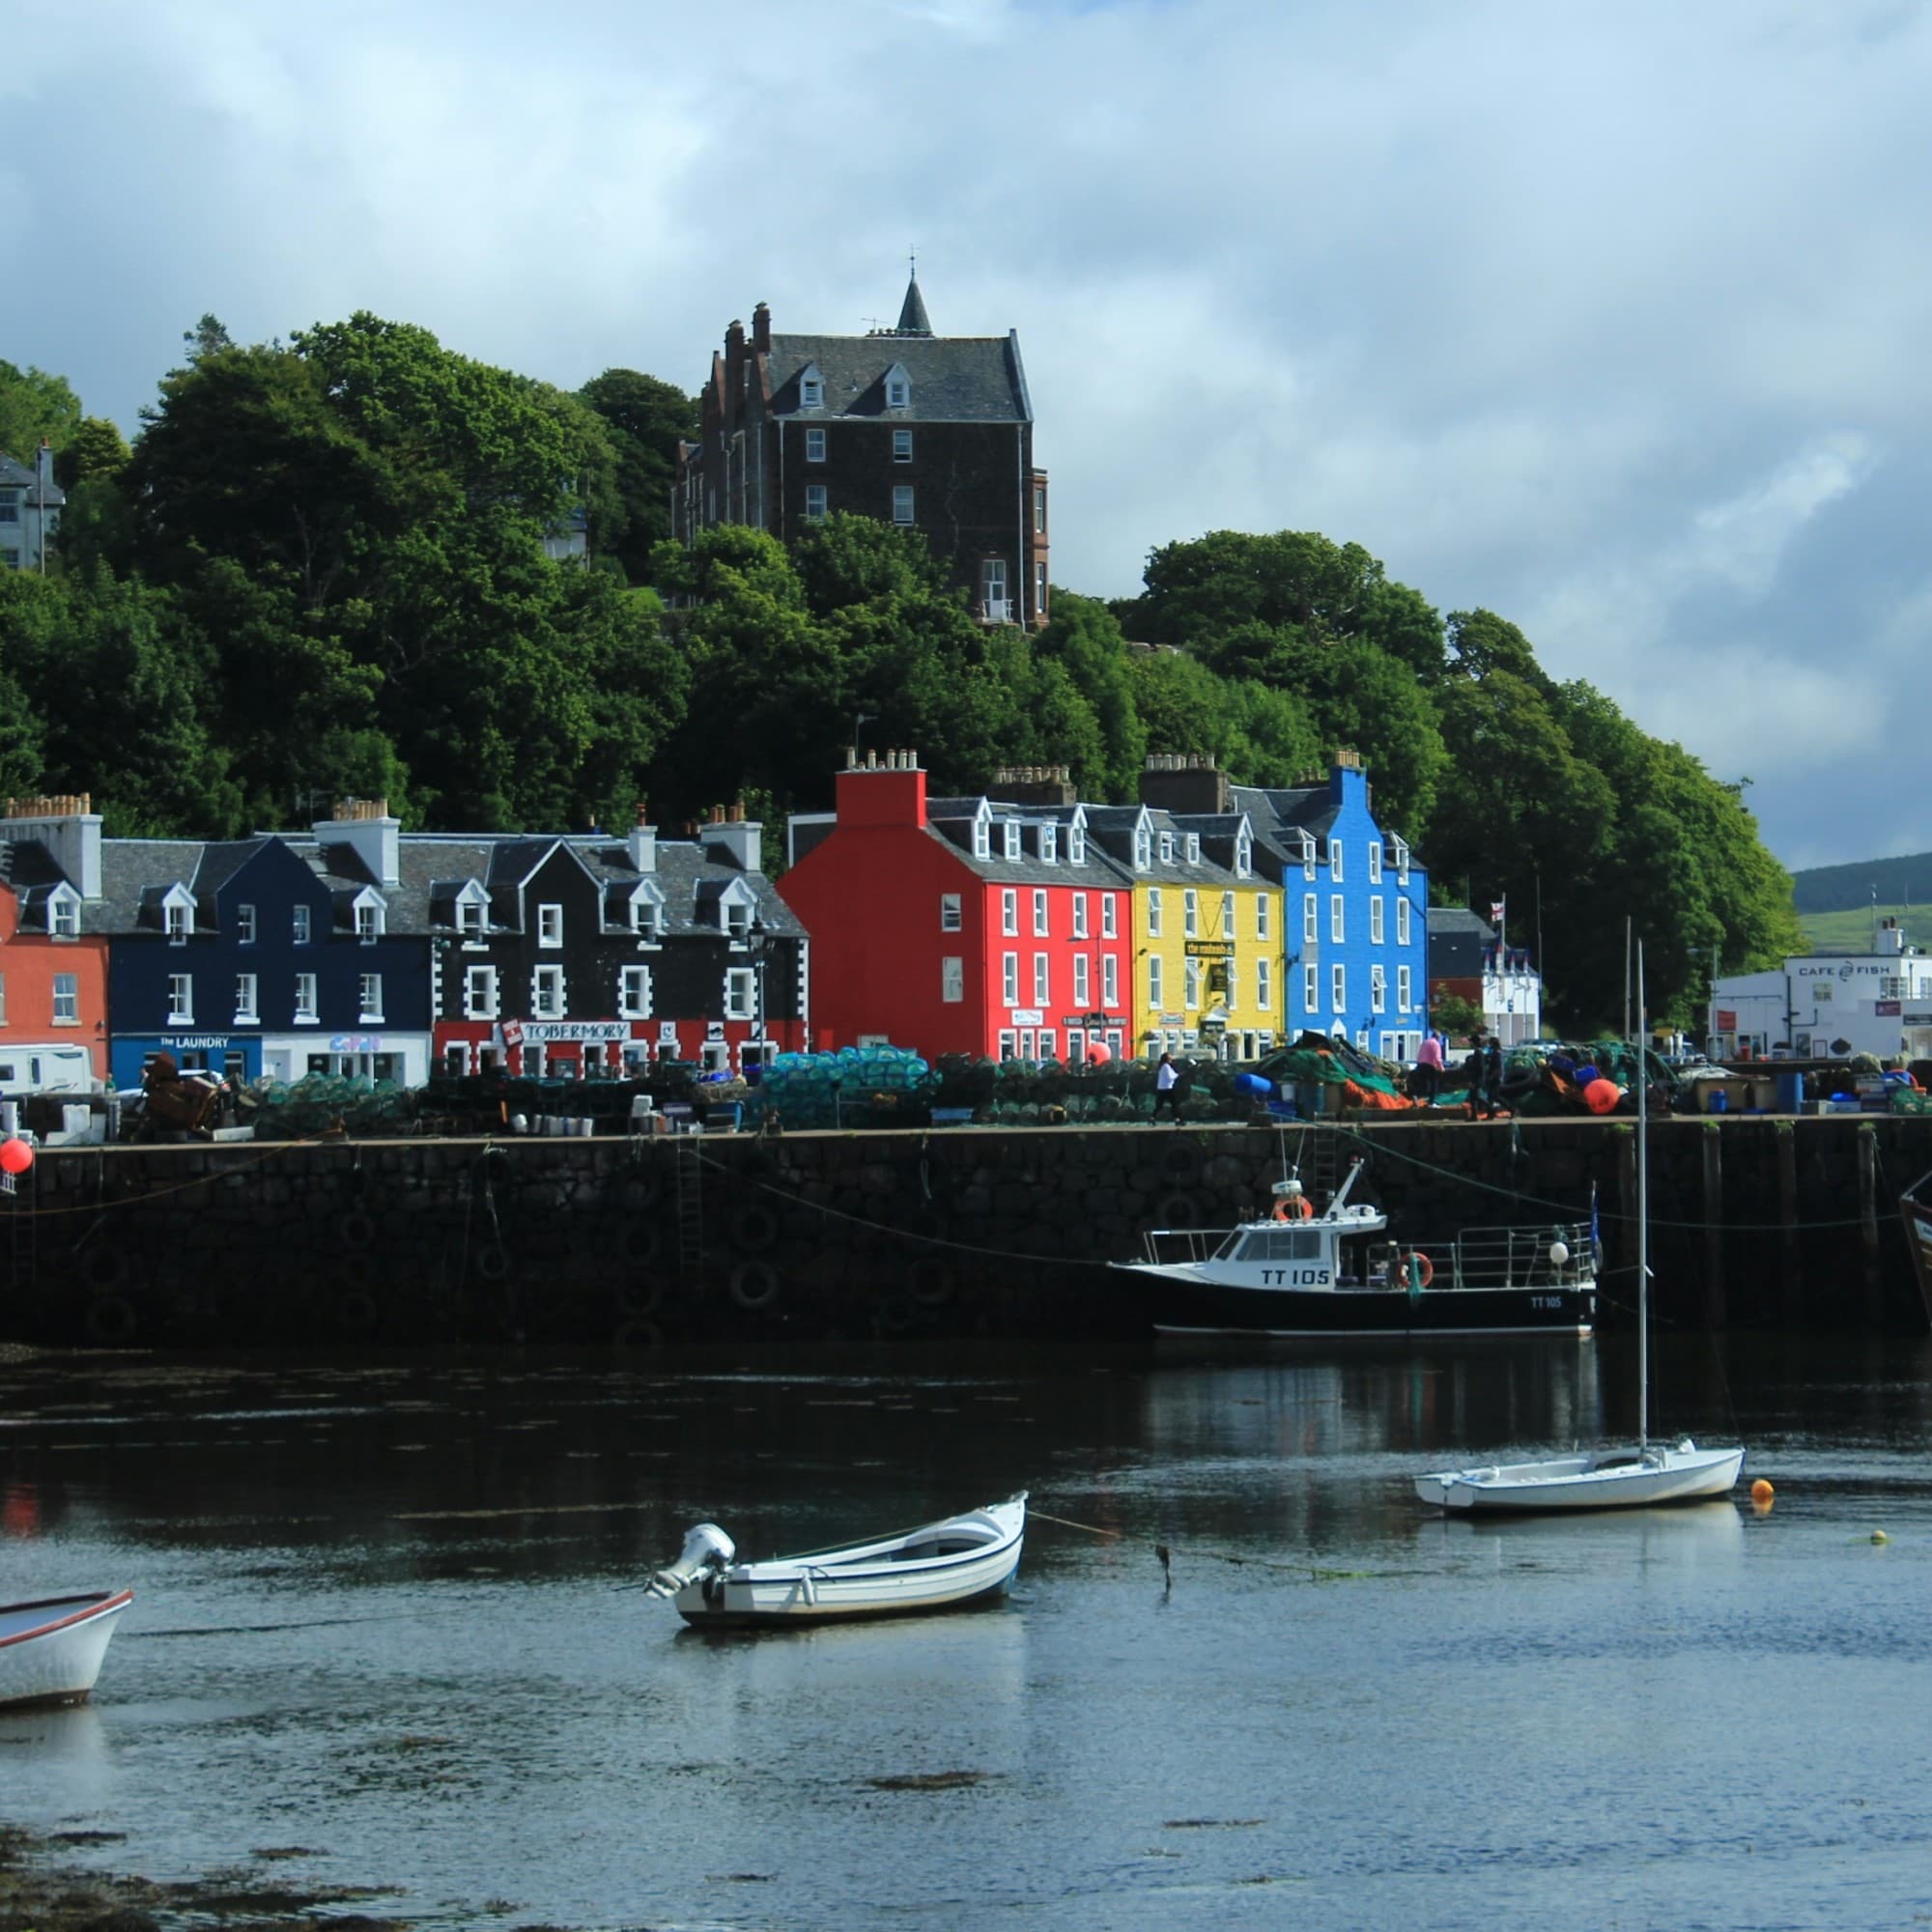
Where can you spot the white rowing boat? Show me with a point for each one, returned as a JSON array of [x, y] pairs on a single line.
[[50, 1651], [949, 1565]]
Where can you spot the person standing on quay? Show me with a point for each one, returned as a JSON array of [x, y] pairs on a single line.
[[1492, 1077], [1429, 1070], [1166, 1088]]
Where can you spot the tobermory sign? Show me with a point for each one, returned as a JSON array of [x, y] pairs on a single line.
[[553, 1031]]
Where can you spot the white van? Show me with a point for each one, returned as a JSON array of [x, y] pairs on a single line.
[[45, 1070]]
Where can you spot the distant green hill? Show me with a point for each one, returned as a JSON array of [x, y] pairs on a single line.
[[1850, 887], [1851, 931]]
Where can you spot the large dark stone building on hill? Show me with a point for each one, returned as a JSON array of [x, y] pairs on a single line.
[[934, 432]]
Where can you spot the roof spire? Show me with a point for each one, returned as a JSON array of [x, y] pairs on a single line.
[[913, 319]]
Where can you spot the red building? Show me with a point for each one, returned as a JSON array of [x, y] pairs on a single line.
[[980, 925], [53, 971]]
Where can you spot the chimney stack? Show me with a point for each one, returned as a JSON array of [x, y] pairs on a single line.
[[365, 827], [642, 843], [69, 827]]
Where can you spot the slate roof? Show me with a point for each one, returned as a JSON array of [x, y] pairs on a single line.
[[15, 475], [1458, 939], [1272, 812], [954, 378], [950, 821]]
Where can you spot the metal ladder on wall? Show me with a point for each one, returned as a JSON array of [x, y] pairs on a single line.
[[1317, 1152], [687, 1170]]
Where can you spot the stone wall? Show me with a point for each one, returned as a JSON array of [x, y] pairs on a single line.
[[1755, 1221]]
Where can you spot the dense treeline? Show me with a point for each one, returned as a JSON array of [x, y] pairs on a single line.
[[325, 568]]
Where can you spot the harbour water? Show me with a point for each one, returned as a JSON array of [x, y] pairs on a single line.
[[387, 1634]]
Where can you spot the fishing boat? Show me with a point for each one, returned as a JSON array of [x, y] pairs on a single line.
[[1629, 1476], [959, 1561], [1916, 1214], [51, 1650], [1298, 1273]]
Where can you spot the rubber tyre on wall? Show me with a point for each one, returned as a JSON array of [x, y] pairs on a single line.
[[643, 1242], [111, 1321], [1176, 1211], [755, 1229], [493, 1263], [755, 1285], [639, 1296], [355, 1230]]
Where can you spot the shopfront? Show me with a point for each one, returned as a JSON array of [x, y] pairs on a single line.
[[401, 1059]]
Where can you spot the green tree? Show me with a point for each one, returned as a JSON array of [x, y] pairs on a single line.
[[645, 420], [35, 407]]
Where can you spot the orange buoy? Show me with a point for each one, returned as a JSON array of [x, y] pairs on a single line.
[[1762, 1492]]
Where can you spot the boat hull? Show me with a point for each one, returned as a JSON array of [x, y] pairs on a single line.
[[1181, 1307], [972, 1564], [1609, 1480], [51, 1651]]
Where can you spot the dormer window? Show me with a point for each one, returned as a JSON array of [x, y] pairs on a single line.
[[470, 917], [178, 912], [1401, 862], [982, 839], [899, 388], [1142, 848], [1194, 848], [1049, 844], [737, 920], [1244, 857], [368, 919], [811, 388], [1012, 838], [64, 913], [1076, 845], [647, 913], [1167, 849]]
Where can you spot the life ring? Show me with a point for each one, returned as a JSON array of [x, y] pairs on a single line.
[[1423, 1270], [1296, 1207], [356, 1312], [930, 1281], [102, 1268], [643, 1242], [640, 1295], [492, 1262], [355, 1231], [754, 1285], [755, 1229], [111, 1320], [638, 1334]]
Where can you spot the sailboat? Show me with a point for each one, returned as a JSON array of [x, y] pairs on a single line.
[[1626, 1476]]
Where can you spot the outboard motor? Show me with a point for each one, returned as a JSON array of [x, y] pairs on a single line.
[[705, 1548]]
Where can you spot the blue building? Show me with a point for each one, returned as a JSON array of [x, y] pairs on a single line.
[[1353, 936], [268, 955]]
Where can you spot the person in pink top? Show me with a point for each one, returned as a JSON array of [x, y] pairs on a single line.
[[1429, 1068]]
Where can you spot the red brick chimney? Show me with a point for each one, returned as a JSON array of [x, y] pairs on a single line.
[[882, 791]]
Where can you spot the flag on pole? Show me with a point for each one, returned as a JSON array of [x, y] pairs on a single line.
[[1497, 910]]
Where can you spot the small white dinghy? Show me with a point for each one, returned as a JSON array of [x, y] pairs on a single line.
[[948, 1565], [1634, 1476], [50, 1651]]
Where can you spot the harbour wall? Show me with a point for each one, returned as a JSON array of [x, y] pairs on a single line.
[[1756, 1221]]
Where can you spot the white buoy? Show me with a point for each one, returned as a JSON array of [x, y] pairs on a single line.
[[1559, 1253]]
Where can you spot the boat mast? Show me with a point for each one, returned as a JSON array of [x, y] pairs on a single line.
[[1642, 1221]]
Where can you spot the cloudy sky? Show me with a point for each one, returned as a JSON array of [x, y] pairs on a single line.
[[1611, 317]]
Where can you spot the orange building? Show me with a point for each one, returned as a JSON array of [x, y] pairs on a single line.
[[53, 971]]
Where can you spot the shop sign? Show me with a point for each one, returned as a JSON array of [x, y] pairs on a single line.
[[513, 1033], [554, 1032], [1886, 1009], [358, 1042], [1209, 948], [198, 1042], [1028, 1017], [1727, 1019]]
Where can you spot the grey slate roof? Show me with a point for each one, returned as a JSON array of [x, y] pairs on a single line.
[[1458, 939], [16, 476], [913, 317], [954, 378]]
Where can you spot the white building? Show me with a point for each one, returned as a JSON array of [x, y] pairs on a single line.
[[1829, 1005], [31, 502], [1468, 959]]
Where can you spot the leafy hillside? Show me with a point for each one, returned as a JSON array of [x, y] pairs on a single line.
[[1850, 887], [1851, 931]]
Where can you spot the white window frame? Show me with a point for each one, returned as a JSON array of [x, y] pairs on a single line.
[[1039, 913], [1404, 988], [1156, 982], [308, 1001], [1311, 988], [816, 503], [1009, 978], [1401, 921], [302, 927], [810, 392], [66, 999], [741, 993], [952, 913], [1010, 844], [482, 993], [1109, 918], [951, 979], [369, 996], [1154, 911], [634, 993], [1190, 983], [1080, 915], [547, 993], [898, 392], [1042, 980], [1375, 861], [1049, 844], [244, 924], [1263, 920], [1377, 988], [1311, 919], [180, 921], [1076, 845], [1335, 860], [1082, 981], [905, 508], [247, 999], [550, 927], [1009, 911], [1338, 988], [1338, 920], [815, 445], [1191, 849], [983, 837], [181, 999], [902, 446], [1109, 981], [1167, 849], [1264, 986], [368, 921], [1190, 914], [1227, 915], [471, 918], [1375, 921]]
